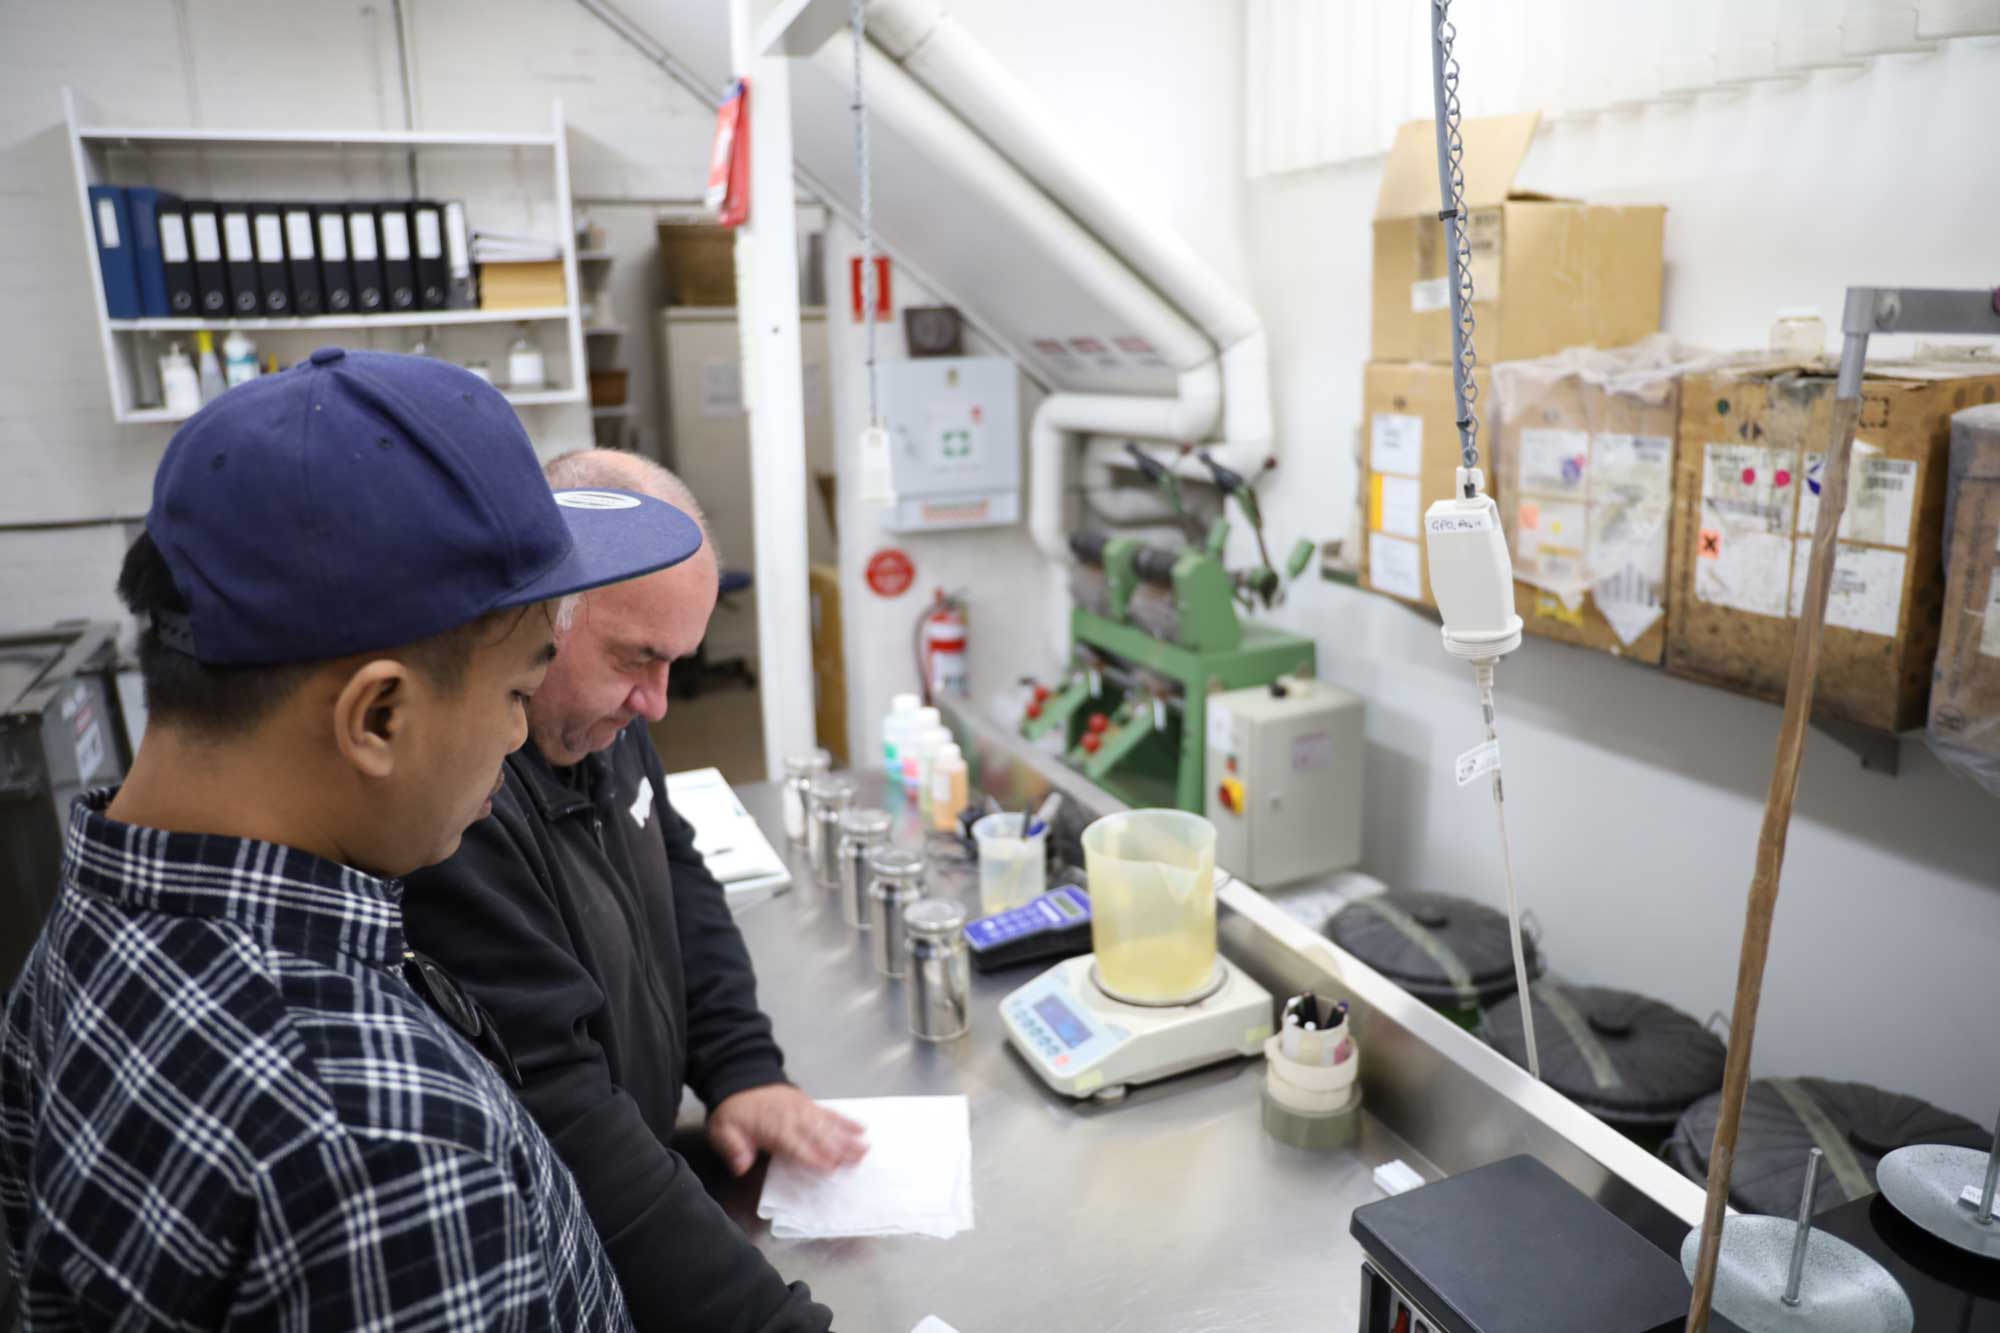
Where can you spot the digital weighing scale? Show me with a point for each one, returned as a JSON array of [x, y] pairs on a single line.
[[1085, 1044]]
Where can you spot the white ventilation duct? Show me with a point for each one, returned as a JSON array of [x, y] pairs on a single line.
[[983, 135]]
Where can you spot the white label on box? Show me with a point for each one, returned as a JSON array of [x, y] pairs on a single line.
[[1402, 505], [270, 239], [236, 236], [1430, 294], [107, 224], [395, 235], [1867, 587], [1553, 537], [1395, 566], [361, 229], [299, 233], [1743, 557], [1631, 495], [173, 239], [1989, 632], [1312, 753], [332, 237], [1480, 759], [1628, 597], [1396, 444], [721, 389], [1643, 461], [1881, 497], [1219, 725], [1483, 240], [1554, 462], [430, 239], [207, 241]]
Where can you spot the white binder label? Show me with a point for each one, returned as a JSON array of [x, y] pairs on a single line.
[[299, 233], [361, 230], [173, 239], [332, 237], [270, 239], [207, 241], [395, 236], [107, 225], [429, 243], [236, 235]]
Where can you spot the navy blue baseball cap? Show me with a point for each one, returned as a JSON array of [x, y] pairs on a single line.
[[365, 500]]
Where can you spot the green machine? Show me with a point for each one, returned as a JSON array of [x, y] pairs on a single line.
[[1154, 632]]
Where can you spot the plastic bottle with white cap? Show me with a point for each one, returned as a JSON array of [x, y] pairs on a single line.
[[895, 730], [949, 787], [920, 722], [929, 742]]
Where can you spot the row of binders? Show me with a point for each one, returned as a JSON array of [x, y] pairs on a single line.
[[162, 256]]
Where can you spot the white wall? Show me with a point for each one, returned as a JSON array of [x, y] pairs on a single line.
[[487, 64], [1006, 614], [1635, 799]]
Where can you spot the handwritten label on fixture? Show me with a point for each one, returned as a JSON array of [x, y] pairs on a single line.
[[1479, 760], [1478, 520]]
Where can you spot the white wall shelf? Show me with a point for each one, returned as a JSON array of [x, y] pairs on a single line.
[[603, 330], [511, 182], [390, 319]]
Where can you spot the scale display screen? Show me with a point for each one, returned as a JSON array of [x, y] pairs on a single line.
[[1062, 1022], [1065, 905]]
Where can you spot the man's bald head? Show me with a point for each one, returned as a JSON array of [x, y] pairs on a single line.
[[619, 641], [618, 470]]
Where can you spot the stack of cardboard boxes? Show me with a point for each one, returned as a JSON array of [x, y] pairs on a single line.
[[1546, 274], [1965, 688]]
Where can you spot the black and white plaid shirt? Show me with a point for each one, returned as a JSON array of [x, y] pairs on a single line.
[[221, 1105]]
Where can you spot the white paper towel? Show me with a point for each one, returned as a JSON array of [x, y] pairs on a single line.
[[915, 1180]]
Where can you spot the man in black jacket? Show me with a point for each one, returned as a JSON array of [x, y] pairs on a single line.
[[581, 915]]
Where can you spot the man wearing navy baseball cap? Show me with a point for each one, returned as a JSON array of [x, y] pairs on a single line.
[[230, 1093]]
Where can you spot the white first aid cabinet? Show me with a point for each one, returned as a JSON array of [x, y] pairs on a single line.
[[954, 427]]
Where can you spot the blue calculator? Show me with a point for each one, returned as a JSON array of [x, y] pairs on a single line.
[[1055, 925]]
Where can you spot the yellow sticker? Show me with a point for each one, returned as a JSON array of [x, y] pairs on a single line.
[[1089, 1081], [1552, 608], [1375, 502]]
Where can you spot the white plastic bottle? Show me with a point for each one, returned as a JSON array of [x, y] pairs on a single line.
[[239, 359], [920, 722], [895, 727], [208, 368], [949, 787], [929, 743], [180, 386]]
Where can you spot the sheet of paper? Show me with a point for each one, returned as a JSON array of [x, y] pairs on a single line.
[[915, 1180], [734, 848]]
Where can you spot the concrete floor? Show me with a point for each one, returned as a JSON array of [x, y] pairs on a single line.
[[723, 728]]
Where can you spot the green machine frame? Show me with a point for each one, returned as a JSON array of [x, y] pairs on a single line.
[[1134, 761]]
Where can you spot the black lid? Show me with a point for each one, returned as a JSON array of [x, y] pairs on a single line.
[[1627, 1058], [1435, 946], [1511, 1247], [1855, 1125]]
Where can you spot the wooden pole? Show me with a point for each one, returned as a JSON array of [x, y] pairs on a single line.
[[1771, 846]]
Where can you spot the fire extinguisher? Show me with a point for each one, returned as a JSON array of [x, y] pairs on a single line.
[[941, 644]]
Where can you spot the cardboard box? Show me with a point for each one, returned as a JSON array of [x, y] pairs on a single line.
[[522, 285], [829, 662], [1965, 686], [1585, 456], [1746, 483], [1546, 273], [1409, 460], [700, 263]]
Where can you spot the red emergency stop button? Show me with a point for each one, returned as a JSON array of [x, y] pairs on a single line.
[[1041, 693], [1091, 741], [1098, 722], [1035, 708], [1230, 792]]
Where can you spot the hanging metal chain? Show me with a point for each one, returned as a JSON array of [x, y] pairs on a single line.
[[1451, 188], [865, 169]]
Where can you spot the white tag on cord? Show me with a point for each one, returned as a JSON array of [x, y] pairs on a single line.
[[878, 475], [1477, 761]]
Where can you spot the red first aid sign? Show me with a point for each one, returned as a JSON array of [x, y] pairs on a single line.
[[890, 572]]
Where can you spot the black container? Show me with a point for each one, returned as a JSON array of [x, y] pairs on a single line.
[[62, 732], [1632, 1062], [1452, 953], [1855, 1125]]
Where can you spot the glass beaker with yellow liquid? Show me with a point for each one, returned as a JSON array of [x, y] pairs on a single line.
[[1152, 904]]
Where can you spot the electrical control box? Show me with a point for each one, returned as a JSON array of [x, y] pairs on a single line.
[[1284, 779], [954, 427]]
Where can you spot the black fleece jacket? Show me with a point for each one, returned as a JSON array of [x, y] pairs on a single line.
[[582, 917]]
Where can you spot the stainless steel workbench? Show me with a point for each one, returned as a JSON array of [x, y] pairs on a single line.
[[1172, 1210]]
